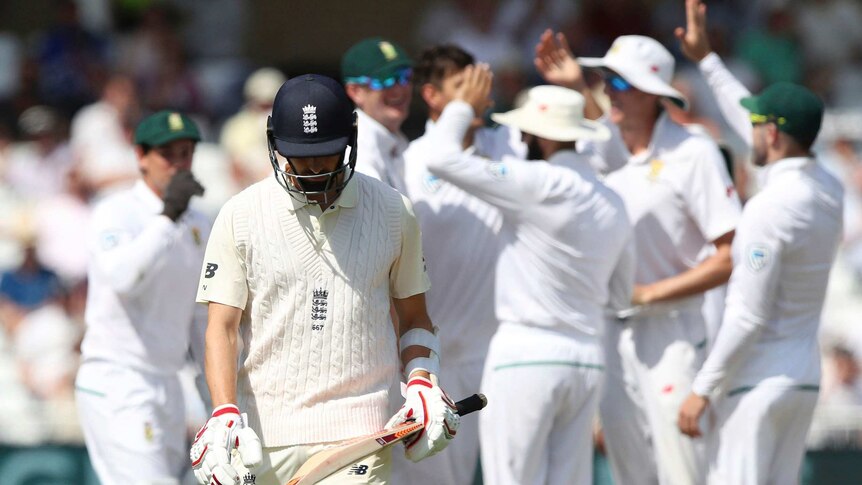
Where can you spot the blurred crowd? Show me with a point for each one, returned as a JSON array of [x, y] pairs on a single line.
[[71, 94]]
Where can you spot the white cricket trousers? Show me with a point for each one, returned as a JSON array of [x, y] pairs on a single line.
[[542, 389], [652, 360], [280, 463], [760, 435], [134, 424], [456, 464]]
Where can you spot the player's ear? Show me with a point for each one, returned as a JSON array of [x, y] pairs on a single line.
[[355, 93], [432, 97]]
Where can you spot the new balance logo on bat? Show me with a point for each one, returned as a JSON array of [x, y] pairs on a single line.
[[358, 469]]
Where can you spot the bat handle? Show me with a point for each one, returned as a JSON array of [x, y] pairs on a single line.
[[471, 404]]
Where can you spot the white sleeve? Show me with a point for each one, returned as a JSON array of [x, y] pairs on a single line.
[[728, 91], [709, 193], [223, 275], [506, 184], [128, 259], [751, 295]]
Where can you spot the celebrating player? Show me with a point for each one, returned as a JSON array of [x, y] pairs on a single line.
[[459, 236], [785, 246], [303, 266], [377, 74], [146, 250], [680, 197], [566, 253]]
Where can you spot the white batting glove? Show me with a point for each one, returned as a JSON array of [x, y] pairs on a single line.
[[211, 451], [426, 403]]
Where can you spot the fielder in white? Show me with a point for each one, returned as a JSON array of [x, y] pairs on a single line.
[[146, 250], [459, 238], [303, 266], [762, 376], [680, 197], [764, 371], [377, 75], [566, 253]]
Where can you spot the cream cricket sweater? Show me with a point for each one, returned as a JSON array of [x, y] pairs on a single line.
[[319, 350]]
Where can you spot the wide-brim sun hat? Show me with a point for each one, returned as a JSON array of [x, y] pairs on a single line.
[[643, 62], [554, 113]]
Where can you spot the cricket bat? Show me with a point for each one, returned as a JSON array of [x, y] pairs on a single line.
[[327, 462]]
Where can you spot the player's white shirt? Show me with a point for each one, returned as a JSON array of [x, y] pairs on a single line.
[[381, 152], [142, 281], [782, 253], [459, 238], [678, 196], [565, 240]]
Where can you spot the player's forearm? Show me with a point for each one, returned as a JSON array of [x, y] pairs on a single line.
[[412, 314], [221, 353], [129, 265], [735, 337], [710, 273], [728, 91]]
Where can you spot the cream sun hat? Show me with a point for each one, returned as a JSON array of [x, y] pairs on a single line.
[[643, 62], [554, 113]]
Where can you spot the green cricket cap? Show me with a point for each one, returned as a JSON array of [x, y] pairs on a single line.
[[376, 58], [794, 109], [165, 127]]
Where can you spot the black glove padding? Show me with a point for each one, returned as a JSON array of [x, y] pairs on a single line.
[[180, 189]]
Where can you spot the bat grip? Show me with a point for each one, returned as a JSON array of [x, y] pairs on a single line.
[[471, 404]]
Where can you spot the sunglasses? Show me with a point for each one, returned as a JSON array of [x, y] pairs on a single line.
[[617, 83], [757, 119], [402, 78]]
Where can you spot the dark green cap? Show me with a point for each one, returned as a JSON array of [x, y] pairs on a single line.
[[165, 127], [794, 109], [376, 58]]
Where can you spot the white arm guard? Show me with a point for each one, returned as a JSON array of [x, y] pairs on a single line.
[[421, 338]]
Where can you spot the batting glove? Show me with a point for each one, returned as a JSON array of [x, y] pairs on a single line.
[[426, 403], [211, 451]]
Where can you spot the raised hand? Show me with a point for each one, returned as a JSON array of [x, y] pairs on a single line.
[[555, 62], [475, 89], [693, 38]]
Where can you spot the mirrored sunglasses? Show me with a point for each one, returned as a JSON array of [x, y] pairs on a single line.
[[402, 78], [617, 83]]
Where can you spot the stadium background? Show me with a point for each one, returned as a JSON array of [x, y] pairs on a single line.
[[195, 55]]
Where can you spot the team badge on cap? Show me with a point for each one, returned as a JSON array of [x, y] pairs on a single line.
[[388, 50], [175, 122], [758, 257]]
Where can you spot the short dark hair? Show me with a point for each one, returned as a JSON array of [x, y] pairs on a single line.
[[438, 61]]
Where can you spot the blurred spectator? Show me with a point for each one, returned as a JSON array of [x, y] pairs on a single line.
[[28, 286], [38, 167], [10, 66], [837, 423], [154, 55], [524, 23], [774, 52], [470, 24], [61, 222], [72, 61], [244, 134], [101, 137]]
